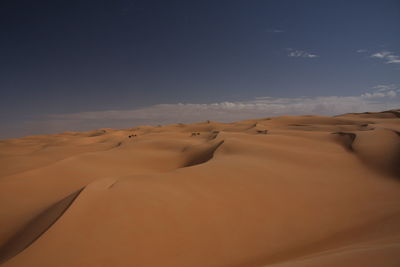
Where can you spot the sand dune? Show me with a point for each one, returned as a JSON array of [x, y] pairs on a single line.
[[283, 191]]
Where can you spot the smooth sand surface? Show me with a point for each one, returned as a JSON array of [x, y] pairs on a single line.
[[281, 192]]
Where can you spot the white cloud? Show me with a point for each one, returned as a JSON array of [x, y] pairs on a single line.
[[382, 54], [361, 50], [382, 91], [388, 56], [386, 87], [300, 53], [391, 93], [380, 94], [381, 97]]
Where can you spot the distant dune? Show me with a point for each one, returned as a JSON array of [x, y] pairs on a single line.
[[283, 192]]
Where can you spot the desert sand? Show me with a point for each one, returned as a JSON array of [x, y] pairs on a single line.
[[281, 192]]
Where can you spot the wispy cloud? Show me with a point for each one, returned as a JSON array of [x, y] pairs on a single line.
[[361, 50], [383, 90], [388, 57], [386, 87], [275, 31], [380, 97], [301, 53]]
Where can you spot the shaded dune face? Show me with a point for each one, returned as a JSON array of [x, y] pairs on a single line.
[[200, 154], [35, 228], [378, 149], [346, 139], [285, 191]]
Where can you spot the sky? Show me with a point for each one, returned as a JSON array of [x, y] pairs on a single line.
[[72, 65]]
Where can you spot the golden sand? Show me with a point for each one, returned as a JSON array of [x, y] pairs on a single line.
[[282, 192]]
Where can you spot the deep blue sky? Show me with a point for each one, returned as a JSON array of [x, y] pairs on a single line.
[[76, 56]]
